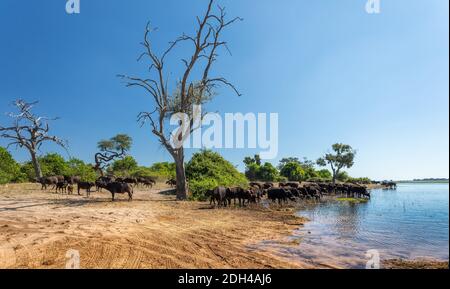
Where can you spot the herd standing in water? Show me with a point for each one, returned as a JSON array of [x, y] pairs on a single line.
[[285, 192]]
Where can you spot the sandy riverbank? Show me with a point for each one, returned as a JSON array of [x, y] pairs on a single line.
[[37, 229]]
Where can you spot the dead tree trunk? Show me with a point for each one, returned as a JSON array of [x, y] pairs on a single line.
[[182, 187], [36, 165], [187, 91]]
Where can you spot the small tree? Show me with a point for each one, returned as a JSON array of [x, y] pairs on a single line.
[[29, 131], [110, 150], [343, 157], [268, 172], [79, 168], [124, 167], [285, 161], [207, 170], [9, 168], [206, 42], [293, 171]]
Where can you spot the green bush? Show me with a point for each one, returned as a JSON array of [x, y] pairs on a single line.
[[164, 170], [325, 175], [363, 181], [293, 171], [53, 165], [9, 168], [342, 177], [207, 170], [77, 167], [124, 167]]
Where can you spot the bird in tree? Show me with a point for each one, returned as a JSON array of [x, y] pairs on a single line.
[[30, 131], [110, 150], [343, 157]]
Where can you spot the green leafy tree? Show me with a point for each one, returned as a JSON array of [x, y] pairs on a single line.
[[9, 168], [164, 169], [343, 177], [285, 161], [110, 150], [324, 174], [207, 170], [293, 171], [268, 172], [343, 157], [54, 165], [79, 168], [252, 171], [124, 167], [255, 160]]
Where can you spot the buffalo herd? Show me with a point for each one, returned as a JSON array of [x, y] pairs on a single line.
[[66, 184], [283, 193]]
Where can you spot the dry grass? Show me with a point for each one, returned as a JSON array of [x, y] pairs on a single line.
[[37, 228]]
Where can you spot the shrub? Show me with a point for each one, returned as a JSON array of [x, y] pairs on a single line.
[[53, 165], [293, 171], [9, 168], [124, 167], [77, 167], [207, 170]]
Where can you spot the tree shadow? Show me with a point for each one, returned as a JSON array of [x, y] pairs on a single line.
[[170, 192]]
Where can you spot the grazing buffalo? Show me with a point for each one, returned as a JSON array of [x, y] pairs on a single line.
[[279, 194], [218, 195], [131, 181], [70, 189], [292, 184], [72, 179], [119, 188], [171, 182], [268, 185], [85, 186], [61, 187], [146, 182], [102, 181], [47, 181], [257, 184], [238, 193]]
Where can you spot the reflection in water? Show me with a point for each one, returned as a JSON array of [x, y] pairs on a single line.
[[411, 222]]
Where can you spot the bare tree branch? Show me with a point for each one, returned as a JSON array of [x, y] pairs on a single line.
[[30, 131], [206, 42]]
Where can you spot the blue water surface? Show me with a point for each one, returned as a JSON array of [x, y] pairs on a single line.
[[410, 222]]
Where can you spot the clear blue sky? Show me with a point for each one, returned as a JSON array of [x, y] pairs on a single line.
[[333, 73]]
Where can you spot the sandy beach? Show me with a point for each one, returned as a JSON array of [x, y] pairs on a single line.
[[37, 228]]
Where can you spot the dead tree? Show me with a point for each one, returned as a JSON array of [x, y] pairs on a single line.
[[206, 42], [110, 150], [29, 131]]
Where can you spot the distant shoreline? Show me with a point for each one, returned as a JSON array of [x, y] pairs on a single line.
[[424, 182]]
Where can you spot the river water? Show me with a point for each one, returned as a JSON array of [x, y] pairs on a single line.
[[410, 222]]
